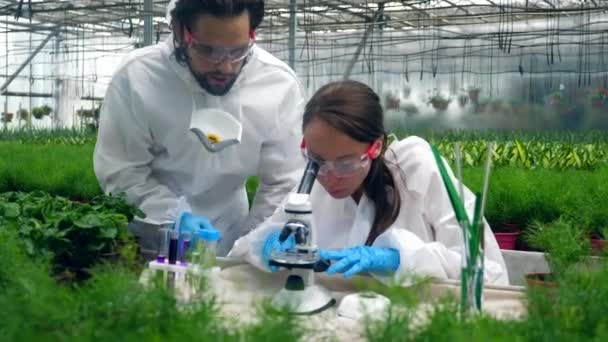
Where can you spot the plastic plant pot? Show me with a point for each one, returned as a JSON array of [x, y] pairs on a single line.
[[541, 280], [506, 240], [598, 245], [440, 105], [474, 95]]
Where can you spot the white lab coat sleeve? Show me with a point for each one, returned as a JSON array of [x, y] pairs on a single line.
[[249, 247], [281, 163], [123, 155], [440, 258]]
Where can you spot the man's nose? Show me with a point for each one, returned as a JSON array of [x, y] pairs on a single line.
[[225, 66]]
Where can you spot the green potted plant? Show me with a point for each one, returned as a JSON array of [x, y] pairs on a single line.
[[85, 113], [564, 243], [37, 113], [46, 110], [40, 112], [555, 99], [598, 240], [599, 98], [439, 101], [410, 109], [23, 114]]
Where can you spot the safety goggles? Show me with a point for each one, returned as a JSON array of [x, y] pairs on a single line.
[[218, 55], [344, 167]]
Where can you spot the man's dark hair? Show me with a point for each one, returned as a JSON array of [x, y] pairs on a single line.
[[186, 12]]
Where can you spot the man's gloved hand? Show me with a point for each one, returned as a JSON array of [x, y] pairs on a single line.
[[273, 244], [193, 224], [353, 260]]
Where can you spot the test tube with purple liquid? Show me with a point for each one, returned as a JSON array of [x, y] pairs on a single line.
[[173, 247], [184, 247]]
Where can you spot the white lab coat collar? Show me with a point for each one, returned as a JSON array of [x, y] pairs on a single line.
[[364, 219], [341, 223]]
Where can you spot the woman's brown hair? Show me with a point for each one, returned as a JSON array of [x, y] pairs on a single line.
[[354, 109]]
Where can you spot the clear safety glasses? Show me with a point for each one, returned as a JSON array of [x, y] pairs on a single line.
[[342, 167], [218, 55]]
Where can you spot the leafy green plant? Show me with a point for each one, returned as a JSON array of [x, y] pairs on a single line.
[[113, 305], [74, 235], [600, 94], [48, 136], [565, 245], [30, 167]]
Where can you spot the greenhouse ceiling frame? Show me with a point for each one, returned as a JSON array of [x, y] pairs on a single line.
[[144, 20], [124, 17]]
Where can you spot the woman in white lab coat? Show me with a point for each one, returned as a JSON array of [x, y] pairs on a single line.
[[376, 208]]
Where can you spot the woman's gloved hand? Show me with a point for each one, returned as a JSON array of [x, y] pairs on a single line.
[[273, 244], [353, 260]]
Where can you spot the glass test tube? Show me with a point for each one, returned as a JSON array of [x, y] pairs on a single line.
[[163, 245], [184, 247], [173, 247]]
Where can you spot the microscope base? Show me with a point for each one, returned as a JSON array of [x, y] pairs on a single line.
[[310, 300]]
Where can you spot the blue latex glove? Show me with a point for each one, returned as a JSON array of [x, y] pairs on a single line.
[[193, 224], [353, 260], [272, 243]]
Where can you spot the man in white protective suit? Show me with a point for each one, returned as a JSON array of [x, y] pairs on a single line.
[[146, 150]]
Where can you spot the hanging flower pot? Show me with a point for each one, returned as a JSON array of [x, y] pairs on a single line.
[[463, 99], [406, 92], [474, 94], [392, 102], [7, 117], [438, 101], [440, 104]]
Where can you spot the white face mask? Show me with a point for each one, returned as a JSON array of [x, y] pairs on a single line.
[[215, 128]]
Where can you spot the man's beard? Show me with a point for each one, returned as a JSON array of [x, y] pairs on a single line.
[[203, 80]]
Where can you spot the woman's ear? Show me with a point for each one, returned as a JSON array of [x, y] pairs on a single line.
[[377, 147]]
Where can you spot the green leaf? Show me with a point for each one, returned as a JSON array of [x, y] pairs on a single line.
[[11, 210], [108, 233], [89, 221]]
